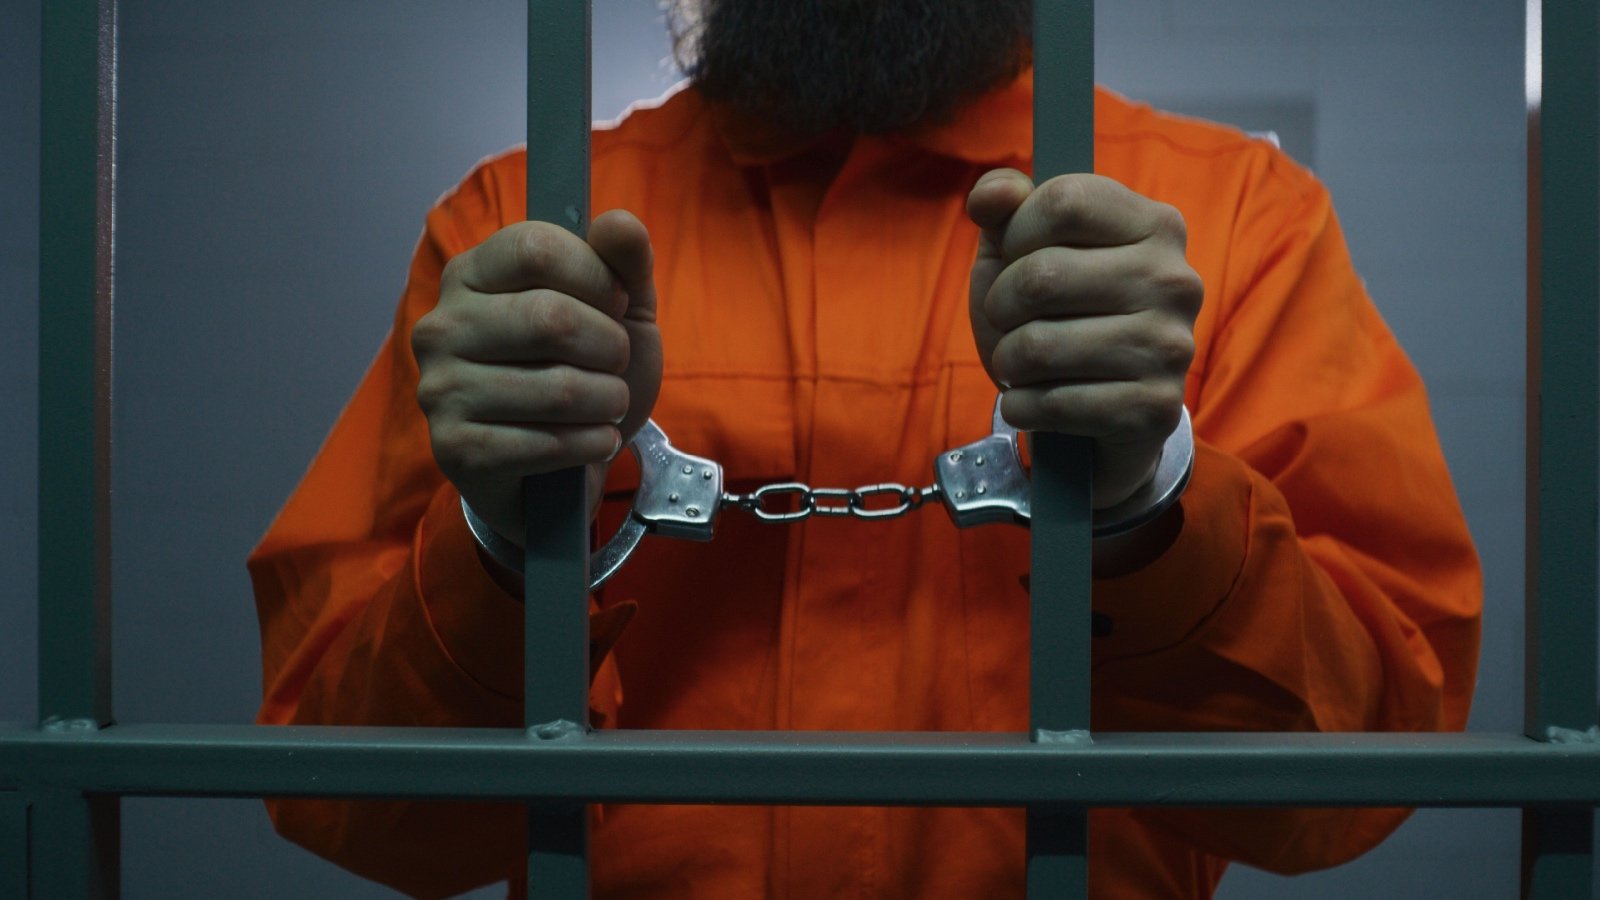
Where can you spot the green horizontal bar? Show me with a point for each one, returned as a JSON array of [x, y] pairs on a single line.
[[809, 768]]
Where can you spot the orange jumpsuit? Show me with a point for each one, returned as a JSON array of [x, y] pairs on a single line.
[[814, 318]]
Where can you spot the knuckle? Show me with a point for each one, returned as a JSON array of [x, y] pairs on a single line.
[[1063, 199], [1055, 406], [1170, 223], [431, 393], [1036, 279], [611, 346], [505, 382], [453, 450], [1032, 348], [451, 274], [624, 354], [1170, 348], [617, 400], [550, 319], [538, 249], [563, 389], [428, 334], [1177, 284], [1158, 411], [1179, 351]]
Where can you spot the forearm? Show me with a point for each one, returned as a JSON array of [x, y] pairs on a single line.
[[1246, 625]]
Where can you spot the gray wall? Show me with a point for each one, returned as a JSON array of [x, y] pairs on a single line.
[[276, 162]]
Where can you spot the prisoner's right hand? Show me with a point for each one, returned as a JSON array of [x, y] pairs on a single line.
[[542, 354]]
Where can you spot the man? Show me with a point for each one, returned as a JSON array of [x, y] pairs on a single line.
[[825, 263]]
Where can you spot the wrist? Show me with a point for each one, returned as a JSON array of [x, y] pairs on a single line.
[[1129, 552], [1159, 494], [501, 559]]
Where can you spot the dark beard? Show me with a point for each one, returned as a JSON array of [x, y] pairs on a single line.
[[870, 66]]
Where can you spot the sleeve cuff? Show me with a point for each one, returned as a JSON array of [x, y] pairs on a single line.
[[1163, 603], [479, 624]]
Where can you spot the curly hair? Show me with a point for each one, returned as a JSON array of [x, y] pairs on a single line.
[[871, 66]]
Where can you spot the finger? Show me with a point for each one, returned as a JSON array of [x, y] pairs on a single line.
[[537, 395], [1086, 211], [530, 255], [993, 200], [1067, 281], [995, 197], [537, 327], [486, 452], [623, 244], [1128, 422], [1118, 412], [1101, 348]]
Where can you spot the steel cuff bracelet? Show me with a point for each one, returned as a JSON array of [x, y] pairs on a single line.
[[985, 481]]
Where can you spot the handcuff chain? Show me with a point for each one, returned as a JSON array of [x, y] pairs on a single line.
[[680, 494], [838, 502]]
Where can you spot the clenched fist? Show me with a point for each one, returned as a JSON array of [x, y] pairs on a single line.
[[1083, 308], [542, 354]]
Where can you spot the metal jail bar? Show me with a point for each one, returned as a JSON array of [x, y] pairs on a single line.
[[1563, 422], [1061, 534], [556, 566], [73, 838], [59, 783]]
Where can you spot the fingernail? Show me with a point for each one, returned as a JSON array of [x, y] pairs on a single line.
[[617, 448]]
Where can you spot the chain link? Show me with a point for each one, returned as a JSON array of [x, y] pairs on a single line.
[[838, 502]]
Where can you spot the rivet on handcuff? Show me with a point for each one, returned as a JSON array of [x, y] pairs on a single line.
[[982, 482]]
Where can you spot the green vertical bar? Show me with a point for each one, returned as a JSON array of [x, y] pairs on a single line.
[[13, 845], [1563, 421], [556, 571], [1063, 142], [68, 853], [1557, 853], [77, 82], [73, 840], [1062, 528], [1563, 490]]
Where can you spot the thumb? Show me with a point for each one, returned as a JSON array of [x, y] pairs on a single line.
[[623, 243], [991, 204], [994, 199], [620, 239]]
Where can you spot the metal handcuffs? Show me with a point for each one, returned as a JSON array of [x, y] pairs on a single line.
[[985, 481]]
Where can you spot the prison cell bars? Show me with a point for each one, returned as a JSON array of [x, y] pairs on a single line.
[[59, 782]]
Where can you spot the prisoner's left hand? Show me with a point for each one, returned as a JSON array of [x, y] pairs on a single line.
[[1083, 307]]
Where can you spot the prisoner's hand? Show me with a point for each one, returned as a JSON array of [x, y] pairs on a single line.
[[542, 354], [1083, 307]]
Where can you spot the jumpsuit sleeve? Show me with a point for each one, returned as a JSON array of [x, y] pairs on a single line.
[[1324, 578], [375, 609]]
